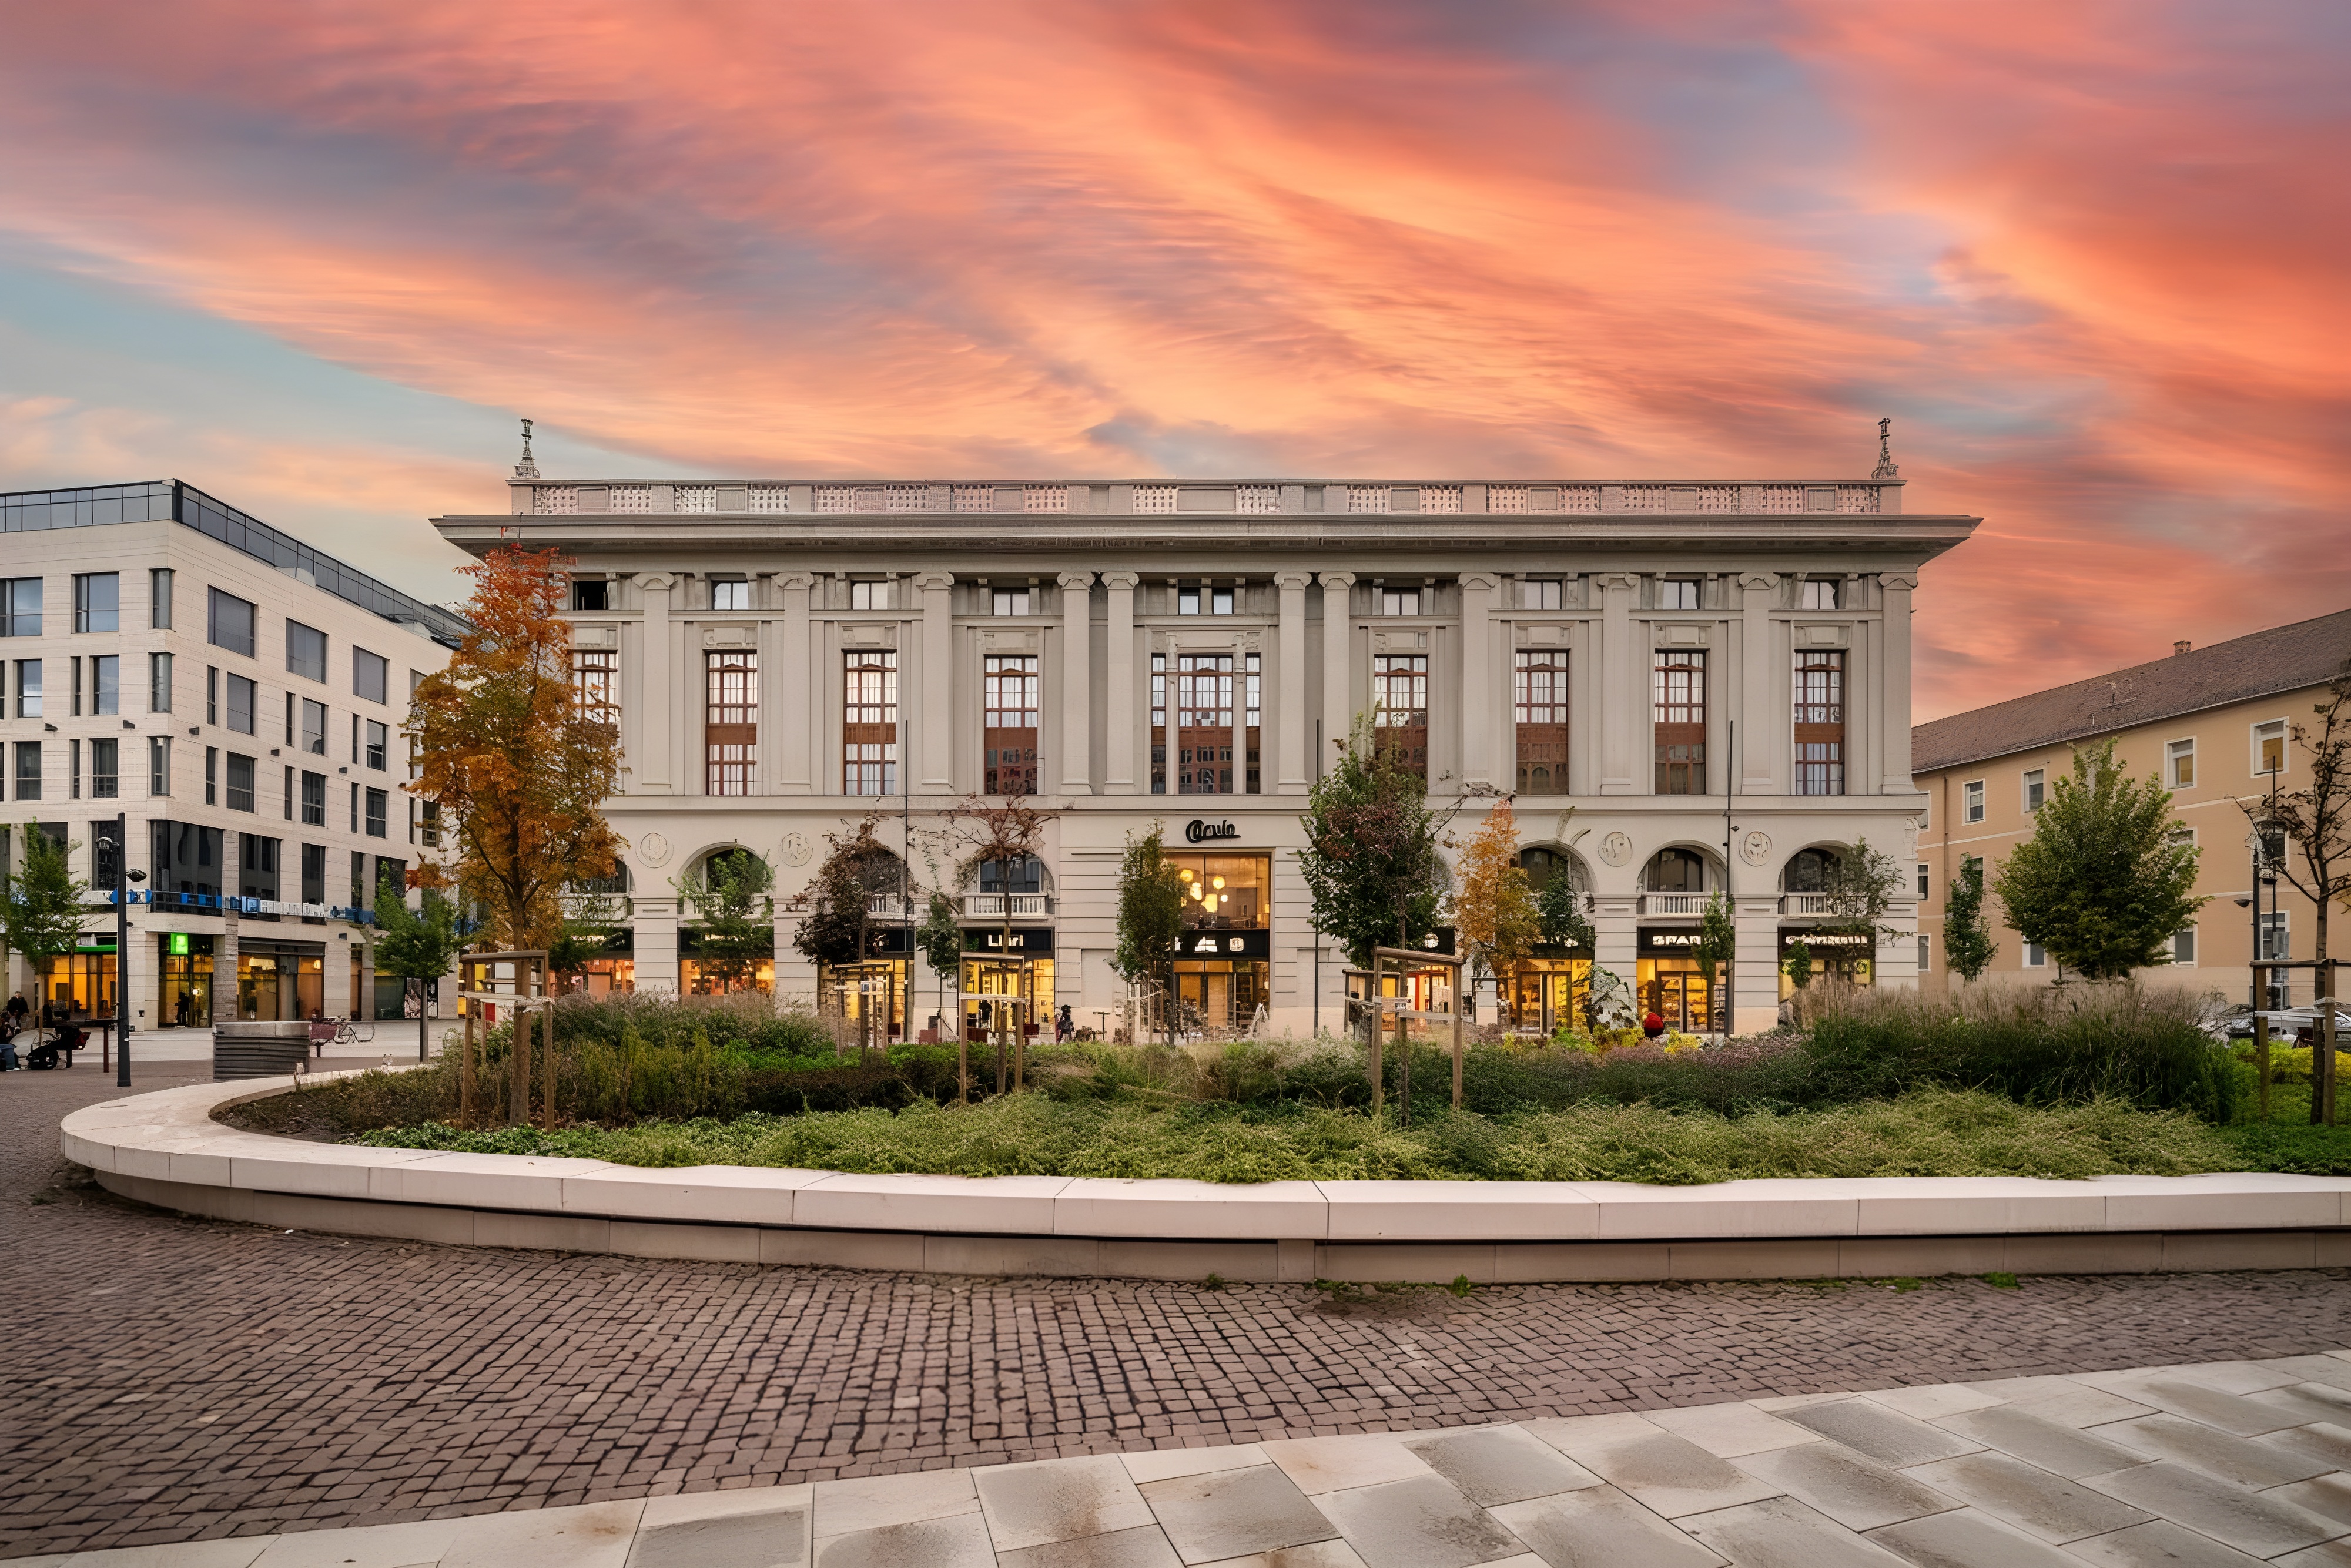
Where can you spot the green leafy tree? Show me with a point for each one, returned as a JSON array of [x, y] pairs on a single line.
[[1372, 863], [1859, 890], [729, 899], [2100, 884], [1967, 945], [41, 906], [1717, 943], [415, 944], [585, 934], [1798, 964], [1150, 911], [941, 941], [1559, 911]]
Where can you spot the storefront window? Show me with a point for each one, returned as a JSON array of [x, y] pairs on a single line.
[[1226, 893], [186, 1000]]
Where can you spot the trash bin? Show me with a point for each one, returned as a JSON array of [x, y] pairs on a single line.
[[263, 1049]]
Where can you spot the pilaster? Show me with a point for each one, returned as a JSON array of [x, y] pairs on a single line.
[[1477, 678], [1073, 746], [1624, 684], [1338, 663], [936, 715], [1124, 744], [657, 771], [1893, 681], [1287, 716], [795, 684], [1759, 761]]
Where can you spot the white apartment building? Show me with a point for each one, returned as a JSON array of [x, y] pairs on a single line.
[[1686, 685], [246, 691]]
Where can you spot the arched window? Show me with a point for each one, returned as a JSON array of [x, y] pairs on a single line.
[[1677, 871], [1809, 871], [608, 887], [1541, 864], [1024, 875]]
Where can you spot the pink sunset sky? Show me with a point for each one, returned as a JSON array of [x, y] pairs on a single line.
[[2089, 256]]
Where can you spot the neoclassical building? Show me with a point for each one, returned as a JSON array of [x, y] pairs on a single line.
[[1686, 686]]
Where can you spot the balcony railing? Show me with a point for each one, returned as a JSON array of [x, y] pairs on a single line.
[[885, 906], [601, 906], [1806, 903], [1675, 903], [1025, 905]]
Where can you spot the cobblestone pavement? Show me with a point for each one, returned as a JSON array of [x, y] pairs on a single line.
[[169, 1379]]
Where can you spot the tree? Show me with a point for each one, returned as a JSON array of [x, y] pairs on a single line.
[[41, 905], [1494, 912], [1718, 945], [729, 899], [1967, 945], [1559, 911], [1859, 889], [518, 768], [1005, 831], [587, 931], [941, 941], [1798, 964], [415, 944], [1150, 911], [2315, 822], [836, 906], [2100, 884], [1371, 862]]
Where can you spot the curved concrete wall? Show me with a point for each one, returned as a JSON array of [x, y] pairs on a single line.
[[165, 1148]]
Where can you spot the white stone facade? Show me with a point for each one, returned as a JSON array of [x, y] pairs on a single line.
[[1328, 581]]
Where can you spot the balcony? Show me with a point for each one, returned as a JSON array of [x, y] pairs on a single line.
[[991, 905], [614, 907], [1807, 904], [885, 906], [1675, 903]]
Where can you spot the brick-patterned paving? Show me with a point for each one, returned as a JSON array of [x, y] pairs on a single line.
[[169, 1379]]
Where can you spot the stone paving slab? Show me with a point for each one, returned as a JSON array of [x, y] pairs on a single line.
[[1513, 1495], [201, 1384]]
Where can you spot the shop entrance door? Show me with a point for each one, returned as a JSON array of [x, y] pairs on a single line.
[[1679, 997]]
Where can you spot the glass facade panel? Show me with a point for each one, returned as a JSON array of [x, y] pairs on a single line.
[[97, 601], [1400, 708], [228, 622], [1539, 699], [1679, 691], [869, 722], [1820, 721], [1011, 693]]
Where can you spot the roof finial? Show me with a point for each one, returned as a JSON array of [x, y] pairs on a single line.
[[1886, 469], [526, 469]]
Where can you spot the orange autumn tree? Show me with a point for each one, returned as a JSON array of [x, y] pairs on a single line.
[[518, 769], [1494, 913]]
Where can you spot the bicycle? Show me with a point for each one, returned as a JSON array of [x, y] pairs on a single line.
[[349, 1031]]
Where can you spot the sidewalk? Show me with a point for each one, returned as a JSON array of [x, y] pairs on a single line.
[[2219, 1464]]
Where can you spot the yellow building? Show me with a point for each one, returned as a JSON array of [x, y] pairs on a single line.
[[2211, 723]]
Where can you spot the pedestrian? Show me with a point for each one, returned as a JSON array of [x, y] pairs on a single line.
[[1062, 1027], [17, 1010]]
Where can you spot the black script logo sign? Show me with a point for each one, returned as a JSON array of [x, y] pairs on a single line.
[[1198, 831]]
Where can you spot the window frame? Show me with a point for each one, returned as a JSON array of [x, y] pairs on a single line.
[[159, 597], [252, 724], [2175, 752], [360, 661], [2286, 751], [88, 614], [1972, 802], [1010, 602], [16, 620], [2032, 789], [737, 594], [215, 599], [1670, 600], [251, 788]]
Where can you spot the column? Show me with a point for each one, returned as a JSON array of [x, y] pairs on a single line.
[[790, 686], [656, 773], [1287, 712], [937, 709], [1624, 687], [1762, 727], [654, 922], [1338, 666], [1477, 677], [1240, 716], [1121, 742], [1755, 963], [224, 975], [1893, 683], [1074, 748]]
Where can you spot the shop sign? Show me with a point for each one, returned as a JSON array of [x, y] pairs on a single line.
[[91, 941], [1225, 944], [1200, 831], [1024, 942], [176, 943], [1684, 940], [1827, 941]]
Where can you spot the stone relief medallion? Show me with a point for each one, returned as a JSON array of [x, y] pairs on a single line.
[[1755, 848], [654, 848], [795, 849], [1616, 848]]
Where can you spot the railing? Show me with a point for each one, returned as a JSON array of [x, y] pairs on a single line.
[[1807, 904], [1675, 903], [1025, 905], [596, 905], [1208, 498], [885, 906]]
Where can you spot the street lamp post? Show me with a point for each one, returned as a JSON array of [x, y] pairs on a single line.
[[118, 845]]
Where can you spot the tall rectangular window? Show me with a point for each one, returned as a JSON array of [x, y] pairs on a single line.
[[159, 682], [2183, 946], [20, 607], [1009, 723], [212, 774], [1971, 801], [106, 768], [159, 597], [305, 651], [1400, 708], [105, 684], [2036, 788], [1204, 724], [1159, 724], [596, 685], [73, 685], [228, 622], [97, 601], [314, 874], [28, 770], [869, 722], [1820, 721], [73, 769], [370, 675], [1539, 702], [244, 697], [428, 823], [314, 727], [378, 803], [159, 765], [240, 782], [2268, 747], [1678, 692], [1252, 719], [211, 694], [314, 799], [377, 754], [2277, 944], [1926, 878], [285, 795], [28, 688], [2179, 764], [730, 722]]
